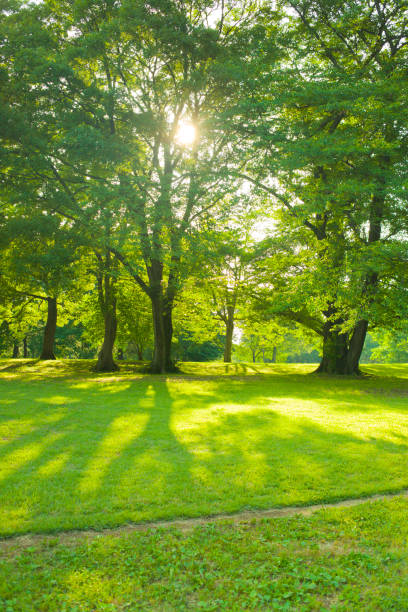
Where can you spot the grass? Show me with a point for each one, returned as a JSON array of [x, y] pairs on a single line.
[[78, 449], [351, 559]]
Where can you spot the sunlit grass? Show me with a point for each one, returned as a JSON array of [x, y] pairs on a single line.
[[79, 449]]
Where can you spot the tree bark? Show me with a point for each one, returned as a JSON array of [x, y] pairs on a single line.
[[335, 348], [16, 350], [105, 361], [229, 323], [157, 365], [162, 311], [274, 352], [139, 351], [25, 347], [49, 330], [168, 336], [356, 347], [107, 302], [341, 354]]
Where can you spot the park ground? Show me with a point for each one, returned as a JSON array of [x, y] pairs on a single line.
[[80, 450]]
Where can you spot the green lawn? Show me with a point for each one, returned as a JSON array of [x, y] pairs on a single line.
[[84, 450], [350, 560]]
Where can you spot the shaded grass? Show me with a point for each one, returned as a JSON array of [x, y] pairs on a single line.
[[79, 449], [349, 559]]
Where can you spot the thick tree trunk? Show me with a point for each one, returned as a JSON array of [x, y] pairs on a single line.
[[341, 355], [229, 323], [163, 335], [274, 352], [335, 347], [16, 349], [105, 361], [49, 330], [25, 347], [139, 351]]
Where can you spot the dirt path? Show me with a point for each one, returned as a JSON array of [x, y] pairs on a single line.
[[71, 536]]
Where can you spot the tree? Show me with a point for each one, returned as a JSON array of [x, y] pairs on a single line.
[[38, 263], [228, 249], [330, 129], [113, 308], [119, 101]]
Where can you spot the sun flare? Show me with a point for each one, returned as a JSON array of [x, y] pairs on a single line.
[[186, 133]]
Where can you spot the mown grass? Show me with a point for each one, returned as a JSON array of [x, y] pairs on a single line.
[[349, 559], [79, 449]]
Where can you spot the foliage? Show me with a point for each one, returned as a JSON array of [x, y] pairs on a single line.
[[390, 346], [187, 349], [329, 126], [289, 191]]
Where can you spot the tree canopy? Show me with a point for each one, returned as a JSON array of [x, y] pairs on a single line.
[[248, 157]]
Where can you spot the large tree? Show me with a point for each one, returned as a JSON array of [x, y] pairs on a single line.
[[113, 112], [331, 124]]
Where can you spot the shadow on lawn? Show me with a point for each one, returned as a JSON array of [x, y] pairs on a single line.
[[18, 364], [81, 452], [105, 454], [66, 369], [36, 369]]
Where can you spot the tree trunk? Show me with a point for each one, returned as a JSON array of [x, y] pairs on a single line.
[[49, 330], [168, 337], [159, 352], [139, 351], [356, 347], [335, 347], [274, 352], [120, 354], [105, 361], [229, 333], [25, 347], [16, 350], [163, 335], [340, 355]]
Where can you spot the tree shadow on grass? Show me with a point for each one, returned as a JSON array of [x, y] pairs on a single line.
[[297, 462], [89, 454], [63, 369], [50, 440], [18, 364], [154, 469], [113, 453], [339, 395]]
